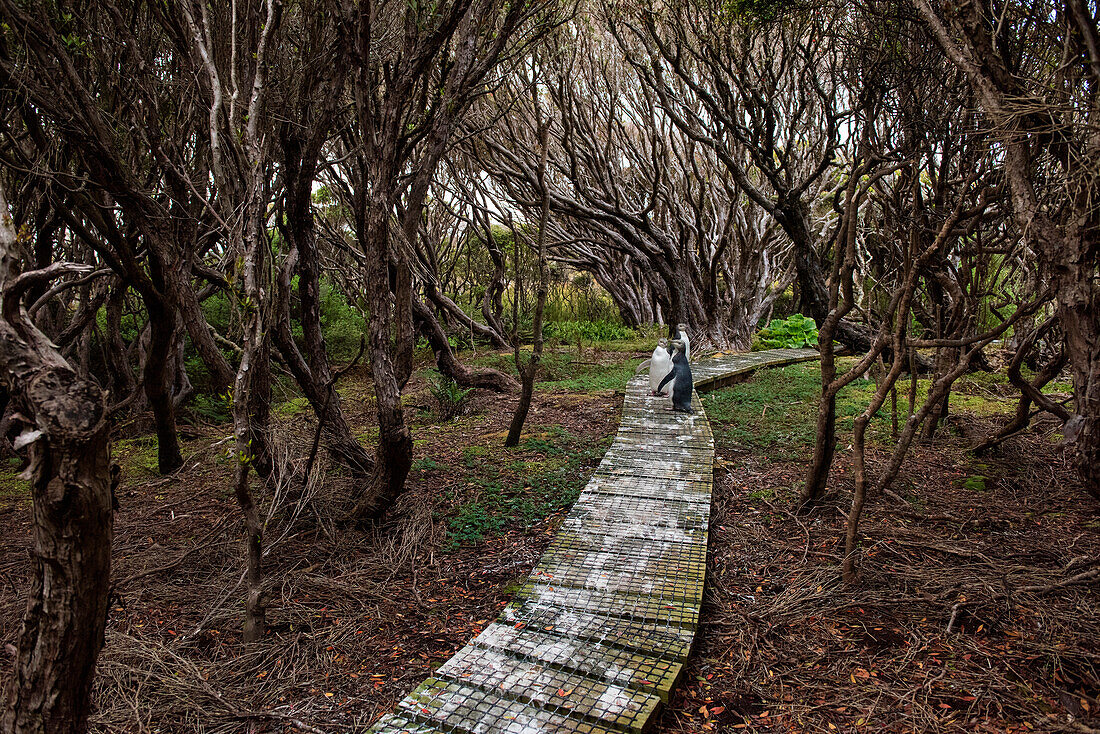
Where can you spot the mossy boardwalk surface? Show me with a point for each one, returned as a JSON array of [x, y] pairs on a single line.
[[596, 638]]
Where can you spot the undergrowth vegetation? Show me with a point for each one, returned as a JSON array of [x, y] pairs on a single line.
[[773, 413], [794, 332], [451, 399], [965, 617], [506, 490]]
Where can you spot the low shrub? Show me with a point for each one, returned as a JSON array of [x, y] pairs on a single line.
[[451, 399], [794, 332], [590, 331]]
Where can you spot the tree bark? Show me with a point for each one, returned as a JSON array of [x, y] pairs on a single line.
[[221, 372], [393, 455], [527, 371], [449, 365], [314, 377], [1069, 250], [452, 309], [70, 460], [492, 302], [156, 381]]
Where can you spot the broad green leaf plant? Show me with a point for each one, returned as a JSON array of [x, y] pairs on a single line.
[[795, 332]]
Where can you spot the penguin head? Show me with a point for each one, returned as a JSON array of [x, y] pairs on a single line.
[[662, 342], [681, 329], [677, 345]]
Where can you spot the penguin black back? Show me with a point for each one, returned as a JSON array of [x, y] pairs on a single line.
[[680, 376]]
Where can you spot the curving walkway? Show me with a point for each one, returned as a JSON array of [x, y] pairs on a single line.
[[596, 638]]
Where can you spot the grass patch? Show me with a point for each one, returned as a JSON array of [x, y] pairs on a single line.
[[772, 413], [137, 457], [292, 407], [505, 491], [565, 372], [775, 412], [11, 486], [565, 369]]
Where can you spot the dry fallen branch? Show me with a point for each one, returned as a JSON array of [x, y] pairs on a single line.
[[1076, 579]]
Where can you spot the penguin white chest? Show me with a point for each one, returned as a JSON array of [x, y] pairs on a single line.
[[660, 364]]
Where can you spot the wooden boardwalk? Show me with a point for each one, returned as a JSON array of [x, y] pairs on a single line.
[[596, 638]]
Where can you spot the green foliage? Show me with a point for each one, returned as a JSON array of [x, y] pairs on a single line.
[[211, 408], [137, 456], [794, 332], [775, 412], [515, 493], [218, 312], [564, 373], [12, 486], [473, 521], [341, 324], [590, 331], [974, 483], [427, 463], [451, 399], [578, 298], [292, 407], [753, 12], [549, 443]]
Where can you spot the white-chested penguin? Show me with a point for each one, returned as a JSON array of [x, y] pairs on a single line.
[[660, 364], [680, 376], [682, 335]]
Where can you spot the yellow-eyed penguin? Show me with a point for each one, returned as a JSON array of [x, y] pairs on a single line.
[[680, 376], [659, 364], [682, 335]]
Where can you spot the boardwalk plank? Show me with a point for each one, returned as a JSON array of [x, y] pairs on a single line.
[[595, 639]]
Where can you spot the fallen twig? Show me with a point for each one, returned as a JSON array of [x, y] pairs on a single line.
[[1076, 579]]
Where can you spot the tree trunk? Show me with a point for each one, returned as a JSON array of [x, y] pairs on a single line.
[[452, 309], [221, 373], [251, 409], [314, 379], [1079, 315], [813, 296], [1068, 250], [67, 608], [448, 364], [70, 460], [393, 456], [122, 380], [527, 372], [1030, 392], [492, 303], [817, 476], [162, 322]]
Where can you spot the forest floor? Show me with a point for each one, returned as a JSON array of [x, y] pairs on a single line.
[[941, 633], [959, 622]]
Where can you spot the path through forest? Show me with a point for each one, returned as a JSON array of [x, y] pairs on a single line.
[[596, 638]]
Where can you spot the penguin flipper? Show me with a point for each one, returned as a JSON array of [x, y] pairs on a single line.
[[642, 367], [668, 378]]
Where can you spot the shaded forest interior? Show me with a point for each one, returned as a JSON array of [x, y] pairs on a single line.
[[313, 317], [366, 615]]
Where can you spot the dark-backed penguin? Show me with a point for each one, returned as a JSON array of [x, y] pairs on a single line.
[[680, 377]]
